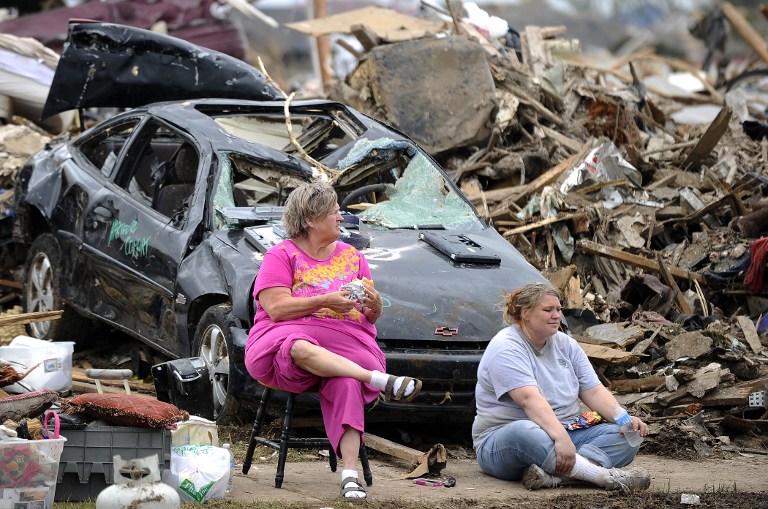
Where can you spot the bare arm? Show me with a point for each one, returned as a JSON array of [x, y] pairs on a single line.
[[601, 400], [539, 411], [281, 305]]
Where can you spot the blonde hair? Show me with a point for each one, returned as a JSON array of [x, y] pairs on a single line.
[[525, 297], [307, 202]]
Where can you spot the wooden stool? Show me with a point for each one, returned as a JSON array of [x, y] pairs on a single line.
[[287, 442]]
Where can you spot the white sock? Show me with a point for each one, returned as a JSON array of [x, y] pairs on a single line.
[[585, 470], [379, 380], [352, 494]]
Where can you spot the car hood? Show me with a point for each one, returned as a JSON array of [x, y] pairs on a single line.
[[426, 295], [112, 65]]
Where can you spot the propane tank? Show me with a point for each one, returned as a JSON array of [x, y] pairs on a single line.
[[137, 486]]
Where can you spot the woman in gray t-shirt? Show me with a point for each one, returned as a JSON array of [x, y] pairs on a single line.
[[532, 381]]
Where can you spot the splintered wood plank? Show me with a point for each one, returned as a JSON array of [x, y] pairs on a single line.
[[608, 355], [632, 385], [679, 297], [709, 139], [750, 333], [23, 318], [591, 247]]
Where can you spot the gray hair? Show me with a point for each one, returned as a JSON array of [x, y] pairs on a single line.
[[307, 202], [525, 297]]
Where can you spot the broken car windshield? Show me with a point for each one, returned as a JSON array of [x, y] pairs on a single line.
[[420, 195], [385, 182]]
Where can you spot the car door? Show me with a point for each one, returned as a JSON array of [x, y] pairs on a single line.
[[137, 233]]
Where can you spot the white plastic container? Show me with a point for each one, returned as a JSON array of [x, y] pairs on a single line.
[[195, 431], [54, 360]]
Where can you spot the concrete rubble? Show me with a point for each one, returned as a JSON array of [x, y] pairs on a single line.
[[635, 184]]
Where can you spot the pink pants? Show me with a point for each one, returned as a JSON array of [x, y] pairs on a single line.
[[342, 400]]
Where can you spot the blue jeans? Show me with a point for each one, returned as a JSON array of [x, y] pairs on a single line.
[[515, 446]]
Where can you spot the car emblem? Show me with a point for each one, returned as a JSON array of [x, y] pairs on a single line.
[[446, 331], [180, 299]]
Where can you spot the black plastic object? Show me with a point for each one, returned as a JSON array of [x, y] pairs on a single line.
[[460, 248], [111, 65], [184, 383]]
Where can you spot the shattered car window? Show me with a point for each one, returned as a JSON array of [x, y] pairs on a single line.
[[387, 182], [418, 198], [103, 149]]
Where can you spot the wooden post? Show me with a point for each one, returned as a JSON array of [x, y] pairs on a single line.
[[320, 10], [746, 31]]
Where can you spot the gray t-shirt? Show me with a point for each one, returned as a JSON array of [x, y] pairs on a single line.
[[560, 370]]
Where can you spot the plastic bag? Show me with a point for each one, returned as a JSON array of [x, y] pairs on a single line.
[[199, 473]]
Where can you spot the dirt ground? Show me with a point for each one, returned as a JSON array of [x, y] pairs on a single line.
[[725, 480], [737, 482]]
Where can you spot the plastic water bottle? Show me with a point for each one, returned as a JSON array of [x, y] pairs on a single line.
[[231, 479], [622, 418]]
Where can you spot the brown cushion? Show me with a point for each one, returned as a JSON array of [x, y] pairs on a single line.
[[125, 410], [30, 404]]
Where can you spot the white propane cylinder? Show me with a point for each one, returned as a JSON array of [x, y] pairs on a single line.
[[137, 486]]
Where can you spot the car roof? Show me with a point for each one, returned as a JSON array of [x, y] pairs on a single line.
[[198, 117]]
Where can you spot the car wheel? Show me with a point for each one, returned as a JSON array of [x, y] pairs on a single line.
[[212, 344], [42, 291]]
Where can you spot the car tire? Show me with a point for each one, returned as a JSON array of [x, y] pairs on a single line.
[[213, 342], [42, 292]]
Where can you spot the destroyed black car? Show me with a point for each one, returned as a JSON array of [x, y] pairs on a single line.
[[155, 222]]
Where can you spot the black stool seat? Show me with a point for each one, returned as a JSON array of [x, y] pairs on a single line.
[[286, 441]]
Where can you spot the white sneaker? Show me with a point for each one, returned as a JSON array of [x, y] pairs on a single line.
[[627, 480]]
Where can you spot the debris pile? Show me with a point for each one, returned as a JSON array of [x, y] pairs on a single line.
[[637, 185]]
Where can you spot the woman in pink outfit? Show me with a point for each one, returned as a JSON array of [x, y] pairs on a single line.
[[311, 332]]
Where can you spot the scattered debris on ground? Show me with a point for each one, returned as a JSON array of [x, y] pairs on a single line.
[[635, 184]]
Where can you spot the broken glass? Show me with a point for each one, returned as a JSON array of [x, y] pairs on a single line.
[[420, 197]]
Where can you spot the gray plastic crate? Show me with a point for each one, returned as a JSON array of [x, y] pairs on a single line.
[[86, 467]]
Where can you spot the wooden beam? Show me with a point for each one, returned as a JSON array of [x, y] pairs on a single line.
[[544, 222], [667, 277], [86, 387], [745, 30], [11, 284], [591, 247], [24, 318], [392, 448]]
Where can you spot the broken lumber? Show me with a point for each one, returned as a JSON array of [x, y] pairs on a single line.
[[543, 222], [608, 355], [670, 281], [518, 193], [591, 247], [11, 284], [750, 333], [25, 318], [631, 385], [86, 387], [421, 463], [709, 139], [746, 31]]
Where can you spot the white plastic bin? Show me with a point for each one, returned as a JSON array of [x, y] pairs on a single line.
[[54, 358]]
